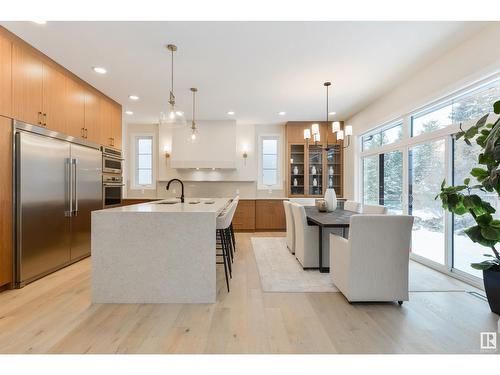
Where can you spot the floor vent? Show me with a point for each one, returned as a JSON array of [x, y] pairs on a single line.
[[477, 295]]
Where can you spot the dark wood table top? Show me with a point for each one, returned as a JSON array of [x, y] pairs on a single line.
[[337, 219]]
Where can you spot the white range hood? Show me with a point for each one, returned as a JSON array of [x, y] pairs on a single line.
[[215, 146]]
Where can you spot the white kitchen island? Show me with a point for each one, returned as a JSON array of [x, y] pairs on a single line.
[[155, 252]]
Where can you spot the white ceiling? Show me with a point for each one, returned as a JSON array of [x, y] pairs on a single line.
[[253, 68]]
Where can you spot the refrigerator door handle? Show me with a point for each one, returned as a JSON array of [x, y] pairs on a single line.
[[69, 168], [75, 186]]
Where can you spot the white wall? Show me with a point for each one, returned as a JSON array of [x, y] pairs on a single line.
[[471, 61], [218, 183]]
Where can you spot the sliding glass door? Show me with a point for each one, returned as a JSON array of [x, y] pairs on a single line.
[[383, 180], [426, 171], [465, 251]]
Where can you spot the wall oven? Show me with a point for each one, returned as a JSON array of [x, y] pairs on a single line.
[[112, 161], [112, 181]]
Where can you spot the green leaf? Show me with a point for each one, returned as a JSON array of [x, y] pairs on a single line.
[[479, 173], [496, 107], [467, 181], [484, 221], [482, 266], [459, 135], [471, 133], [490, 233], [443, 184], [474, 233]]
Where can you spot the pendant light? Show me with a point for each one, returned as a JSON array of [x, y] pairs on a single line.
[[315, 131], [173, 117], [193, 134]]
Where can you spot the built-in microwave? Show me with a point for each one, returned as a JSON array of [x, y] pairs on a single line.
[[112, 161]]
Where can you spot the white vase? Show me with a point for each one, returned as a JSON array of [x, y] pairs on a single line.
[[330, 171], [313, 170], [330, 183], [315, 182], [331, 199], [295, 170], [295, 183]]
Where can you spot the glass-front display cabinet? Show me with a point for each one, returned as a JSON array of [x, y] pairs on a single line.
[[313, 167], [296, 172]]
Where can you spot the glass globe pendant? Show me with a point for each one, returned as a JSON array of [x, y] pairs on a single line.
[[173, 117], [193, 134]]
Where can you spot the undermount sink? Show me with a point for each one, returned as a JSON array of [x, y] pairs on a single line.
[[169, 201]]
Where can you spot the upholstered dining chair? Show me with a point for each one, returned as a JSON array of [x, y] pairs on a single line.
[[372, 265], [306, 238], [352, 206], [304, 201], [374, 209], [290, 227]]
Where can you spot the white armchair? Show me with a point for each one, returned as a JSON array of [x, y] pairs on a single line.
[[290, 227], [373, 264], [374, 209], [306, 238], [352, 206]]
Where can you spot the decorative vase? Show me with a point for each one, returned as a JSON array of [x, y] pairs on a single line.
[[330, 171], [330, 182], [295, 170], [313, 170], [315, 182], [491, 279], [331, 199], [295, 183]]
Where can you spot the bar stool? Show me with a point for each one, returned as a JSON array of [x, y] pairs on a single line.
[[224, 239], [236, 199]]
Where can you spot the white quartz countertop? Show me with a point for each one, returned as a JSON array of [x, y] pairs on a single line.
[[202, 206]]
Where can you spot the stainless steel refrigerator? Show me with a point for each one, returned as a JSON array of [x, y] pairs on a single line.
[[58, 182]]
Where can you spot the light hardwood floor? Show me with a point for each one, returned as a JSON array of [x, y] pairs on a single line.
[[54, 315]]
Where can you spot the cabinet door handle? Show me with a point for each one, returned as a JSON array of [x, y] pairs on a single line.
[[40, 118], [45, 120], [86, 133]]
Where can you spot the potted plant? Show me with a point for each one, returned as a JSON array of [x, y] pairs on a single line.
[[464, 200]]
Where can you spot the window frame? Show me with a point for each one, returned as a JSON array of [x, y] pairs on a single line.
[[260, 163], [134, 139], [407, 142]]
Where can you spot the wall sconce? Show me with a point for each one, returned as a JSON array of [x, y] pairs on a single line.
[[165, 150], [245, 153]]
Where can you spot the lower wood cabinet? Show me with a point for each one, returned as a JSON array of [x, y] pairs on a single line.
[[5, 201], [244, 217], [269, 214], [259, 215]]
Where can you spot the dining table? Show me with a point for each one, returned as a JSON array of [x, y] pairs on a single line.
[[339, 218]]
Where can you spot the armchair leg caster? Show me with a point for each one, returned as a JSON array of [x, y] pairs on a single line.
[[400, 303]]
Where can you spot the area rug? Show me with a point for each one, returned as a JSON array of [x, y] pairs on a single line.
[[279, 271]]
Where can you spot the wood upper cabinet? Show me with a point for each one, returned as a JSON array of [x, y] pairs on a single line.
[[75, 108], [5, 201], [106, 115], [5, 77], [53, 99], [27, 83], [92, 116], [116, 125]]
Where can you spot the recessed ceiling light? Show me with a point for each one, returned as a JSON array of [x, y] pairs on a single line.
[[40, 22], [129, 112], [99, 70], [230, 113], [332, 113], [213, 169], [133, 97], [282, 113]]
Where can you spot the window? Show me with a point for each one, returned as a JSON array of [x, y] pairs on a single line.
[[269, 162], [387, 135], [143, 162], [406, 175]]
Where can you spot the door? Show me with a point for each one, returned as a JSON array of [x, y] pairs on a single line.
[[92, 117], [43, 205], [5, 77], [75, 108], [87, 195], [27, 78], [6, 201], [54, 86]]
